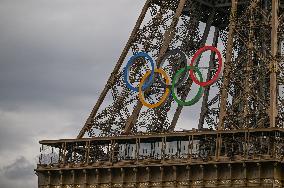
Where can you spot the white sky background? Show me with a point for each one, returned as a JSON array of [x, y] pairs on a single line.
[[55, 58]]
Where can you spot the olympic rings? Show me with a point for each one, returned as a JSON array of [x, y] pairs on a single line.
[[164, 97], [127, 68], [200, 90], [219, 70], [171, 86]]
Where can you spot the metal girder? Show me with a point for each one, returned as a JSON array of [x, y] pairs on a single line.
[[239, 99]]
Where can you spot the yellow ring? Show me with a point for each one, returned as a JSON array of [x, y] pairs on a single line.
[[141, 92]]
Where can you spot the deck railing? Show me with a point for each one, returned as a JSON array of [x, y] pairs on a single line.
[[157, 148]]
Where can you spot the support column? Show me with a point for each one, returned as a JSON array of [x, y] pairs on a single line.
[[64, 154], [61, 178], [202, 178], [73, 177], [274, 65], [162, 176], [245, 174], [216, 175], [87, 153], [135, 170], [85, 178], [97, 185], [259, 174], [110, 177], [227, 69], [49, 179], [188, 169], [277, 175], [122, 176], [230, 169], [175, 176], [148, 176]]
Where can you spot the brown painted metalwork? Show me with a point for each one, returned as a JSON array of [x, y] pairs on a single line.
[[248, 95]]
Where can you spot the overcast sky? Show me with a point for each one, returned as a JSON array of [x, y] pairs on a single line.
[[55, 57]]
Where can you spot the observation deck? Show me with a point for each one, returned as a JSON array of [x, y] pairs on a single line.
[[242, 158]]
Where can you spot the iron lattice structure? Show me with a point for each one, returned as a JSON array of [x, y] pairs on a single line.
[[240, 135], [250, 93]]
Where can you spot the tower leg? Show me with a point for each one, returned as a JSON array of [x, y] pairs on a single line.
[[224, 94], [273, 68]]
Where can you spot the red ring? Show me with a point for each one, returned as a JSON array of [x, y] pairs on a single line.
[[216, 76]]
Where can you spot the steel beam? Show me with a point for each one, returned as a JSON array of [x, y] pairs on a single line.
[[227, 69], [274, 64]]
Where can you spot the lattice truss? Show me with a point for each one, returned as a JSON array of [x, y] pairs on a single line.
[[185, 24], [280, 58], [248, 88]]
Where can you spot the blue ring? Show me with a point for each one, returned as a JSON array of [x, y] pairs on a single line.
[[127, 67]]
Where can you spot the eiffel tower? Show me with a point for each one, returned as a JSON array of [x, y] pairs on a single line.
[[130, 137]]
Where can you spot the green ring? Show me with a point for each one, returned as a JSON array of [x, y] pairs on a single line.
[[199, 93]]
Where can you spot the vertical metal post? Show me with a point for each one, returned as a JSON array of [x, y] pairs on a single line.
[[163, 148], [110, 177], [229, 53], [111, 151], [275, 165], [245, 174], [175, 176], [247, 137], [85, 178], [73, 177], [162, 175], [230, 169], [148, 176], [137, 140], [86, 152], [61, 178], [188, 169], [202, 174], [64, 154], [216, 174], [259, 173], [97, 177], [217, 147], [248, 72], [135, 170], [61, 154], [191, 148], [273, 68], [49, 179]]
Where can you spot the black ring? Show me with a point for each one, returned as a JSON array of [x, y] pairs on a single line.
[[182, 61]]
